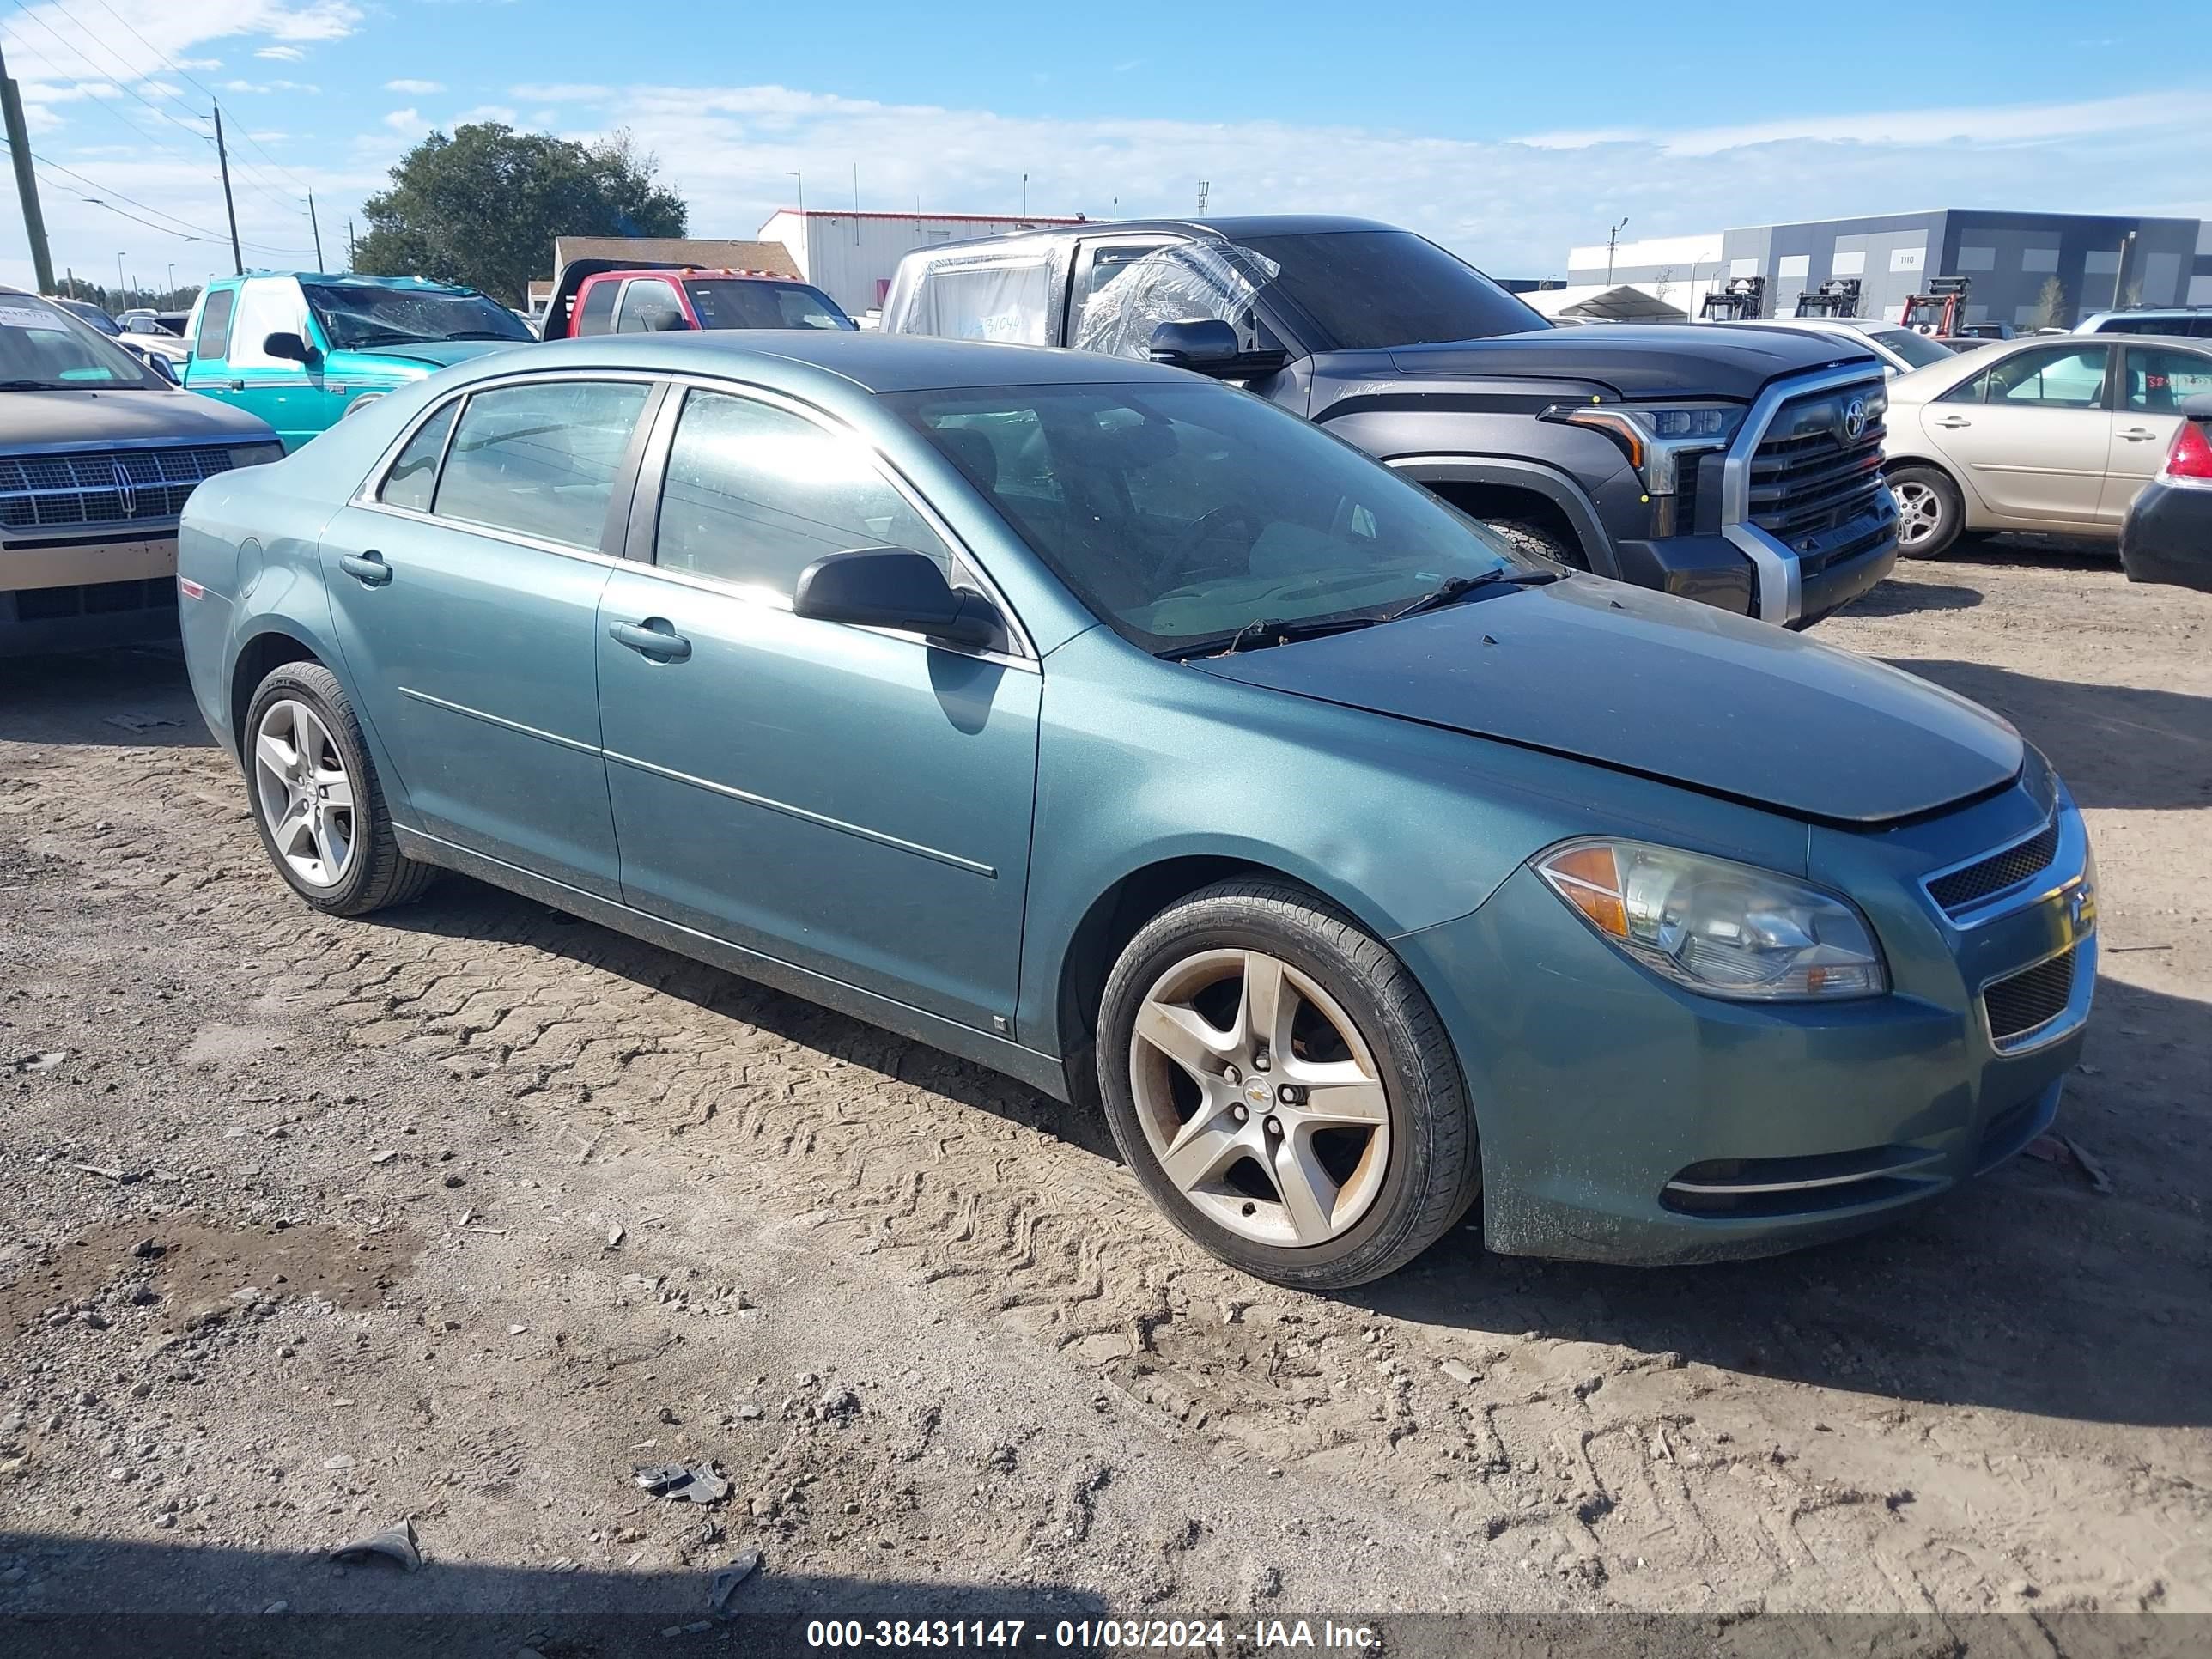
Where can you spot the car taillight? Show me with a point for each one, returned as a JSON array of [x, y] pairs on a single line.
[[2190, 460]]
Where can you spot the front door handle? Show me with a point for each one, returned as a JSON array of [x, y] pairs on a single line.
[[2136, 435], [1954, 421], [652, 638], [237, 386], [369, 570]]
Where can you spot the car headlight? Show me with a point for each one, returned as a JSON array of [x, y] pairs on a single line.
[[1726, 930], [1655, 436], [255, 454]]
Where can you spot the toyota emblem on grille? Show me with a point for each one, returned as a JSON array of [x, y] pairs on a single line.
[[1855, 418], [125, 490]]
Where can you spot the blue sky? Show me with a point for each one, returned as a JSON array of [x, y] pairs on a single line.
[[1510, 133]]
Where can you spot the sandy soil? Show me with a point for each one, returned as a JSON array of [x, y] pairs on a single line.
[[459, 1213]]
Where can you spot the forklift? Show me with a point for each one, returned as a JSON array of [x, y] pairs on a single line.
[[1743, 299], [1836, 297], [1941, 309]]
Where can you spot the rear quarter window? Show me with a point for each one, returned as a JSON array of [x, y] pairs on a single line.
[[596, 310], [214, 324]]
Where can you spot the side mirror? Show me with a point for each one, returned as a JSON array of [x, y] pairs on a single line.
[[892, 587], [290, 347], [1207, 345], [162, 366]]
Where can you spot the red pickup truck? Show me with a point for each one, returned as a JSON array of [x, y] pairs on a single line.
[[600, 297]]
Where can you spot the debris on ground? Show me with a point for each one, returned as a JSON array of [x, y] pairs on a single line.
[[615, 1235], [44, 1062], [726, 1580], [395, 1543], [699, 1485], [2065, 1150], [140, 722], [2089, 1166]]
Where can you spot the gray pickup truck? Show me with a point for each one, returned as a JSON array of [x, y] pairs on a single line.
[[1741, 467]]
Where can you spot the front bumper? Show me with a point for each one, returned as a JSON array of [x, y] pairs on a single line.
[[1624, 1119], [2168, 537], [65, 596]]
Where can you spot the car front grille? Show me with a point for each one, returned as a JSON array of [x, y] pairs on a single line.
[[2027, 1001], [1959, 891], [103, 486], [1809, 475]]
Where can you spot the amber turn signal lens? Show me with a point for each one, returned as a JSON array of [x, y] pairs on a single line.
[[1588, 878]]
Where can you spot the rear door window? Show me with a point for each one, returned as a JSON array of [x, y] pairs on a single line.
[[649, 306], [540, 459], [214, 340], [2159, 379], [414, 476], [598, 310]]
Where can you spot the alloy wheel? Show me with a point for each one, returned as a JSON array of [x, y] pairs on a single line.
[[305, 793], [1260, 1097], [1919, 513]]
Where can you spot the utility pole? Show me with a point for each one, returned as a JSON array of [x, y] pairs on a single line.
[[222, 156], [349, 244], [121, 287], [314, 225], [26, 181], [1613, 241], [2120, 271]]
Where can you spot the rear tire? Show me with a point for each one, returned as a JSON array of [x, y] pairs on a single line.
[[316, 799], [1283, 1089], [1931, 514]]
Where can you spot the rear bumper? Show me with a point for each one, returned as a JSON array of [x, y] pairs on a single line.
[[2168, 537]]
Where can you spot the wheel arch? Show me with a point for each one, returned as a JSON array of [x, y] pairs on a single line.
[[1934, 462], [257, 657], [1116, 915], [1485, 485]]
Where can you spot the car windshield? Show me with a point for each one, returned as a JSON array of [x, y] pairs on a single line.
[[1918, 349], [356, 315], [1368, 288], [1182, 514], [749, 302], [42, 348]]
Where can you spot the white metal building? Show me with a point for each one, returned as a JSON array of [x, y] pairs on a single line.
[[851, 256]]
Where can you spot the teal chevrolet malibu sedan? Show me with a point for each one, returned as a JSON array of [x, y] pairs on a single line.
[[1120, 731], [303, 350]]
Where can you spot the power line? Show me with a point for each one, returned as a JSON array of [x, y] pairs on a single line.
[[184, 227], [123, 85]]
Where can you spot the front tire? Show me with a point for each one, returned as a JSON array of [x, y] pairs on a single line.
[[1931, 514], [1283, 1089], [316, 799]]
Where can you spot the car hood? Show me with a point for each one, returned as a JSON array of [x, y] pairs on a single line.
[[1661, 361], [434, 354], [65, 420], [1666, 688]]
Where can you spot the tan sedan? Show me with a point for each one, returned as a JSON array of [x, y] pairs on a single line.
[[2045, 435]]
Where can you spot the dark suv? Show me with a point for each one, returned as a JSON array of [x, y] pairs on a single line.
[[1738, 466]]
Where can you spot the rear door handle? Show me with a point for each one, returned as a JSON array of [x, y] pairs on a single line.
[[653, 638], [1954, 421], [369, 568], [2137, 434], [237, 386]]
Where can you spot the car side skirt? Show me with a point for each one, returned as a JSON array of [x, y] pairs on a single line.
[[1041, 1072]]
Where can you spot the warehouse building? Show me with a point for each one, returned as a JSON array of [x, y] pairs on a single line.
[[2011, 260], [851, 256]]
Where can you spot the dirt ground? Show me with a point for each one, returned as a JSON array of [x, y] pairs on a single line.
[[459, 1213]]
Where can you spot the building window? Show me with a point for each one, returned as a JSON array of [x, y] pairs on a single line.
[[1977, 258], [1850, 262], [2039, 258]]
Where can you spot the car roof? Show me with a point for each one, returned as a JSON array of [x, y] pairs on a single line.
[[1232, 228], [717, 271], [412, 284], [797, 360]]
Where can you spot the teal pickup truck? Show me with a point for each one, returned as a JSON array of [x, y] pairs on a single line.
[[303, 350]]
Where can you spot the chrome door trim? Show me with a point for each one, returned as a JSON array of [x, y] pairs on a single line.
[[494, 720]]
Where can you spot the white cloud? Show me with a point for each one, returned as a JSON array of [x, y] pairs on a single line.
[[499, 112], [269, 86], [282, 54], [414, 89], [1513, 206], [408, 122]]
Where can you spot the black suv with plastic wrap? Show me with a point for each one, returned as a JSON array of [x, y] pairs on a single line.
[[1738, 466]]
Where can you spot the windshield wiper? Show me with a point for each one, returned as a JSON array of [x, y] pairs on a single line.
[[482, 334], [43, 385], [1263, 631], [1459, 588]]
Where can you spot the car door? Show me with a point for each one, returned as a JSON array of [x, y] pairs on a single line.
[[208, 370], [288, 394], [2031, 434], [854, 801], [464, 583], [2154, 381], [649, 305]]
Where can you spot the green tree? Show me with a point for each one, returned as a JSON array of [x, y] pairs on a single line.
[[2050, 306], [483, 206]]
